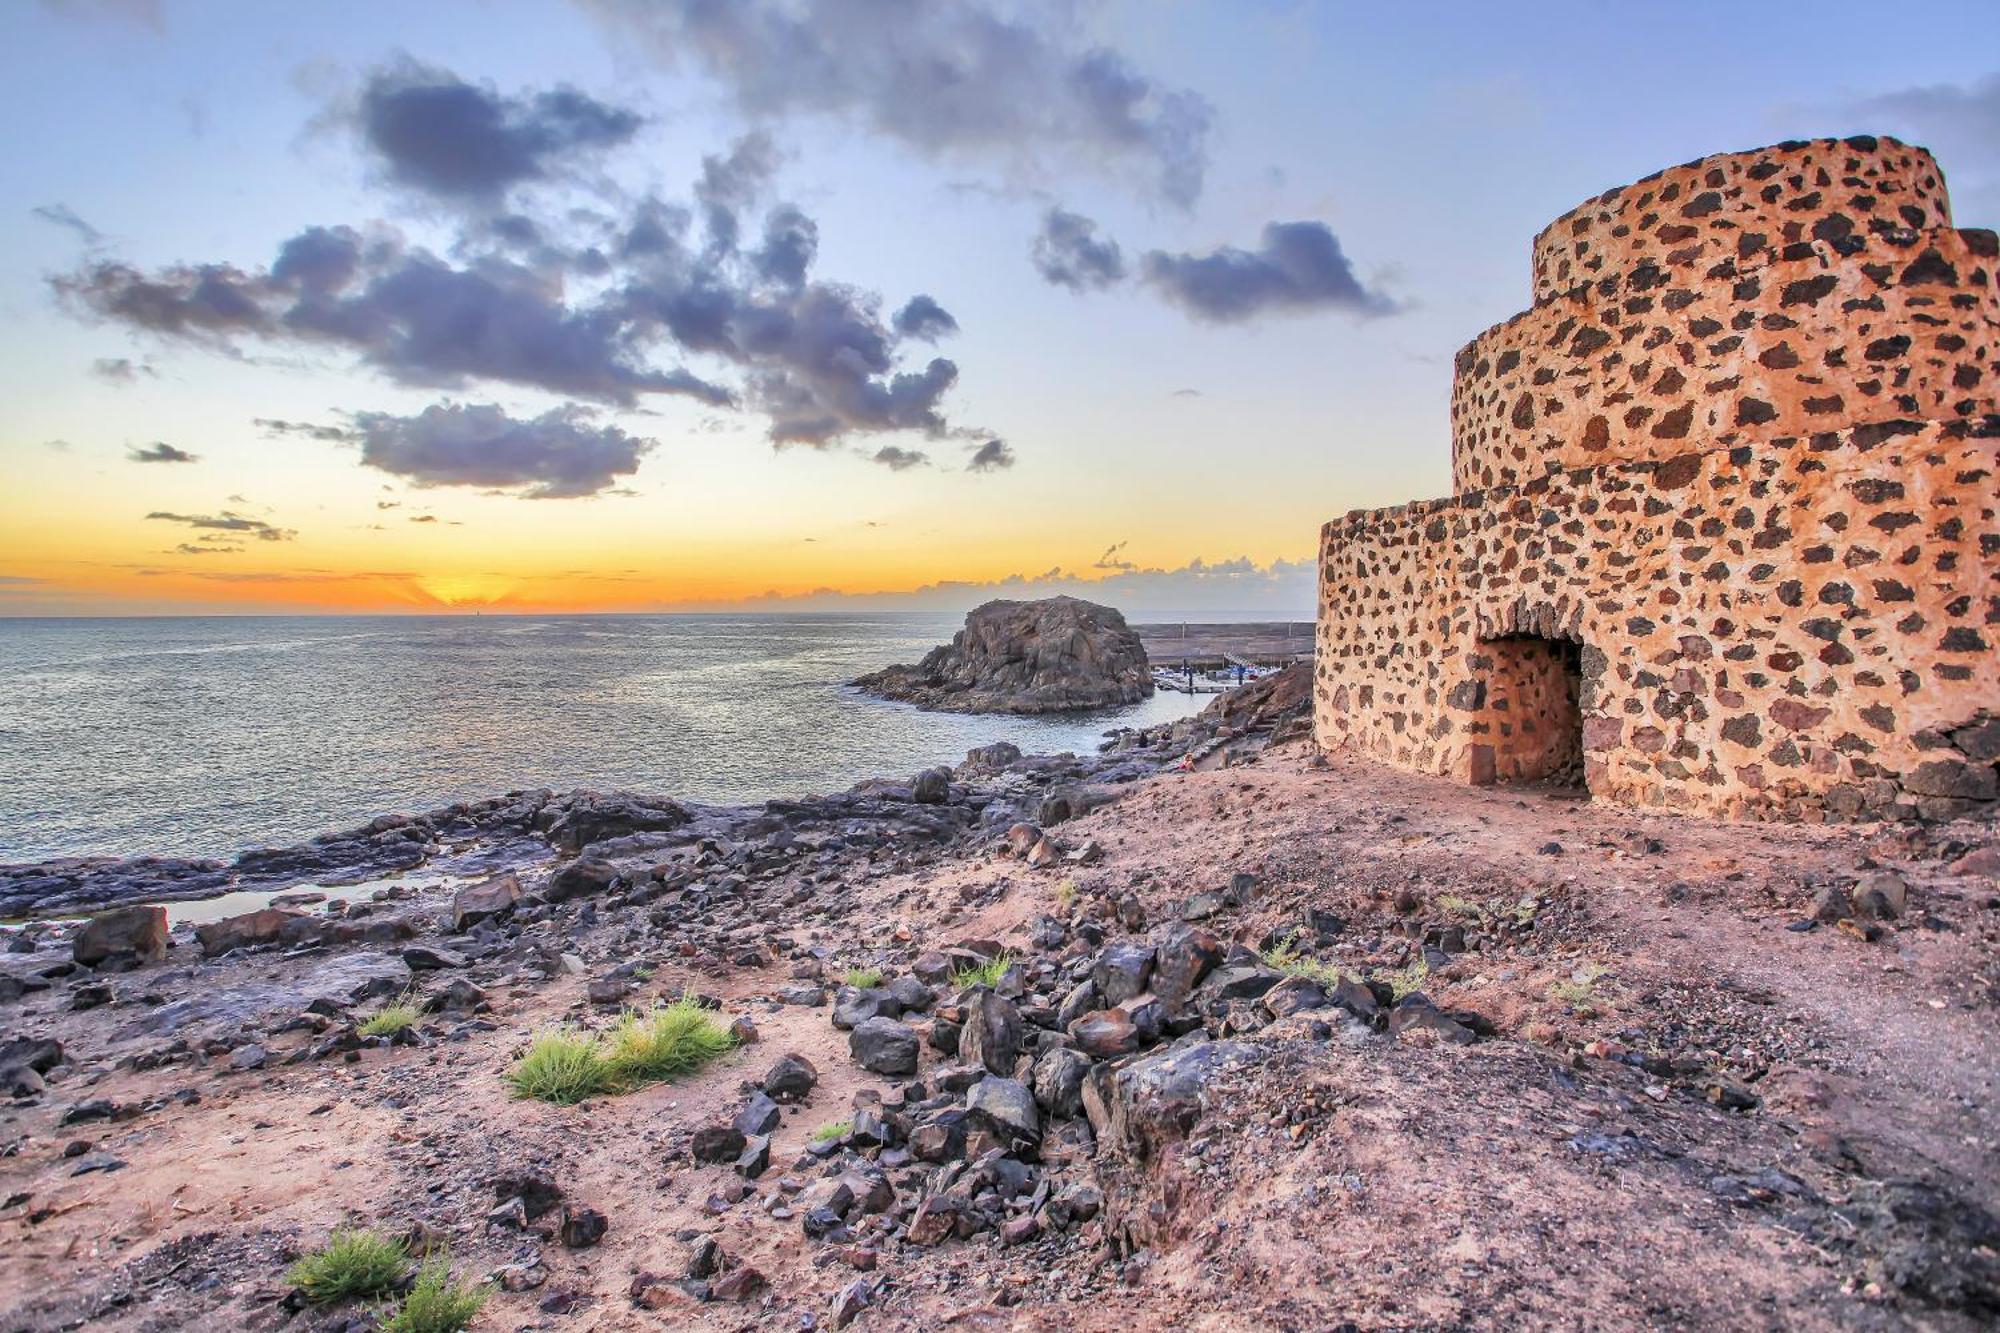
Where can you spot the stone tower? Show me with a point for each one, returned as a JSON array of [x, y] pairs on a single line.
[[1723, 533]]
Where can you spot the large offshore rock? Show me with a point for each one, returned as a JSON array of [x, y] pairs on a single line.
[[1049, 656]]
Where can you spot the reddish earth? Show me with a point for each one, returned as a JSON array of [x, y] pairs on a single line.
[[1685, 1114]]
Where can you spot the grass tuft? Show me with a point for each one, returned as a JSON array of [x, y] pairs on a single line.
[[987, 973], [1409, 980], [352, 1265], [1066, 893], [436, 1304], [390, 1019], [666, 1043], [839, 1129], [563, 1067], [1579, 989], [1287, 957], [862, 978]]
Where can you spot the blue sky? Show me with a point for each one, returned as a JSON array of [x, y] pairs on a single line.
[[1428, 142]]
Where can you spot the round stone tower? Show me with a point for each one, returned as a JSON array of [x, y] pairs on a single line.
[[1787, 291]]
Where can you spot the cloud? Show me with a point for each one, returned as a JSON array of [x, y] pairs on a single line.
[[951, 79], [1110, 560], [992, 456], [229, 521], [307, 429], [120, 370], [161, 452], [898, 460], [207, 548], [62, 215], [1237, 589], [1068, 253], [1185, 393], [1960, 121], [923, 318], [578, 305], [1298, 268], [561, 454], [433, 132]]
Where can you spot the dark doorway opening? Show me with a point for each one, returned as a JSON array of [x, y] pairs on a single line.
[[1534, 709]]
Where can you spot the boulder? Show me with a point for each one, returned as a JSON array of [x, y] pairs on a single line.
[[485, 901], [1105, 1035], [581, 878], [991, 1035], [1059, 1082], [932, 787], [1008, 1106], [250, 930], [791, 1078], [1122, 971], [1054, 655], [122, 938], [884, 1046], [1145, 1106]]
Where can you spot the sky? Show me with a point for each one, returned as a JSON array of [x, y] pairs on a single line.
[[655, 305]]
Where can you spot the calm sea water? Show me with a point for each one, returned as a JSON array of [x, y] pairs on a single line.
[[205, 736]]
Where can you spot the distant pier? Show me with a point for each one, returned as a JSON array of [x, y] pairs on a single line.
[[1220, 647]]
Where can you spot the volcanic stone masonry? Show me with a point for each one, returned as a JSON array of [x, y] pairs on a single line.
[[1723, 530]]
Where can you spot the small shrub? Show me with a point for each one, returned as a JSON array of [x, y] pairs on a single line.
[[665, 1044], [563, 1067], [839, 1129], [987, 973], [436, 1304], [1462, 908], [352, 1265], [1286, 957], [1409, 980], [1066, 893], [390, 1019], [862, 978], [1579, 989]]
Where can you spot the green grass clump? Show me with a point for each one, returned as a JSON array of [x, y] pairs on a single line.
[[1462, 908], [352, 1265], [1409, 980], [839, 1129], [986, 974], [1287, 957], [1066, 893], [1579, 989], [390, 1019], [436, 1304], [666, 1043], [563, 1067], [862, 978]]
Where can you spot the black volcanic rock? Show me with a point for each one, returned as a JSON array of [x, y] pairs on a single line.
[[1054, 655]]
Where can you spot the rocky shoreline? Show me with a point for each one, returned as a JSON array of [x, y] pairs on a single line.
[[1103, 1041]]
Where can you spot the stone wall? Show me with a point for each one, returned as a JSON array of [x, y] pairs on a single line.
[[1802, 627], [1723, 534]]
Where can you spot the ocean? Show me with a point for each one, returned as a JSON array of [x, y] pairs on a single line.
[[205, 736]]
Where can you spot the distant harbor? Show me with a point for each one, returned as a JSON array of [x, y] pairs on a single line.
[[1192, 657]]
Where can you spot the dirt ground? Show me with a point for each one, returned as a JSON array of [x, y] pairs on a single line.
[[1685, 1111]]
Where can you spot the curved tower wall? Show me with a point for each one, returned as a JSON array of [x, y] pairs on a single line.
[[1723, 534]]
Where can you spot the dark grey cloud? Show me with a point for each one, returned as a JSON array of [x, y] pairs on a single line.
[[949, 78], [433, 132], [1112, 560], [992, 456], [208, 546], [159, 451], [62, 215], [921, 317], [1960, 121], [120, 370], [581, 304], [561, 454], [1185, 393], [307, 429], [898, 460], [1068, 252], [1298, 268], [229, 521]]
